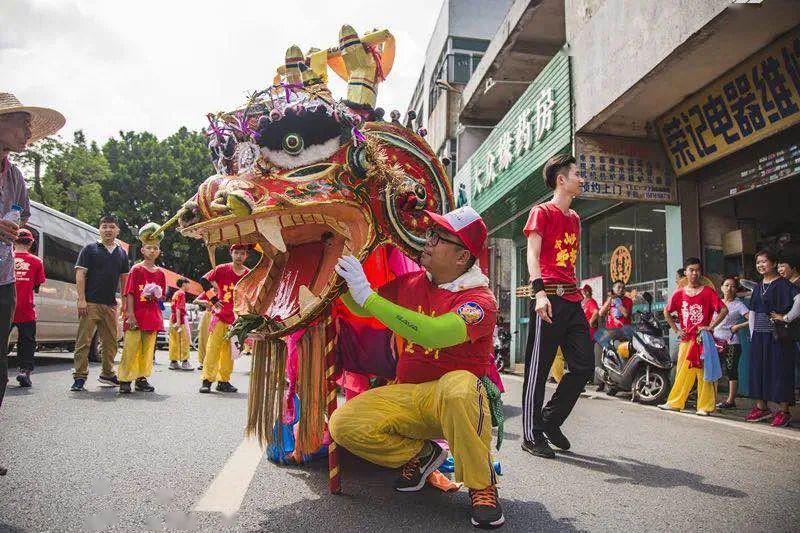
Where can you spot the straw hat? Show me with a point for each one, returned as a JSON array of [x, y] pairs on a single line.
[[44, 121]]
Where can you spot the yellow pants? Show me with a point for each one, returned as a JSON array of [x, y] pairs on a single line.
[[137, 355], [557, 369], [218, 364], [178, 343], [389, 425], [202, 335], [684, 382]]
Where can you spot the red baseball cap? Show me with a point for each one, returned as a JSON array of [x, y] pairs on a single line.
[[467, 225], [240, 246], [24, 236]]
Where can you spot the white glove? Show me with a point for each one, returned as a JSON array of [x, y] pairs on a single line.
[[353, 273]]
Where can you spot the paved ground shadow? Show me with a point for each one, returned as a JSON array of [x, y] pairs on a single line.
[[368, 503], [635, 472]]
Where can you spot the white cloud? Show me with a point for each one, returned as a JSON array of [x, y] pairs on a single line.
[[110, 65]]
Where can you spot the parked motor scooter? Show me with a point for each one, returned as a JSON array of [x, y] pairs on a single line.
[[640, 363]]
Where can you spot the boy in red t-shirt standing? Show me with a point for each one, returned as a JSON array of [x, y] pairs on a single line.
[[557, 319], [29, 273], [179, 330], [695, 305], [218, 363], [145, 287]]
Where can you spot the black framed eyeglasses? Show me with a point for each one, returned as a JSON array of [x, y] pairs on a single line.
[[433, 237]]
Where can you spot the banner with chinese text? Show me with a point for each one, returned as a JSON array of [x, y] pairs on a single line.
[[619, 168], [748, 103], [537, 126]]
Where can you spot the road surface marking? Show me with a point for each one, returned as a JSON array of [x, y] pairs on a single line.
[[226, 492], [772, 432]]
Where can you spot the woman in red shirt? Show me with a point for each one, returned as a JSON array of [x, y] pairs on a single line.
[[591, 310]]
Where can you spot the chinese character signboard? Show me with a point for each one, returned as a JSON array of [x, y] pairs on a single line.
[[620, 168], [536, 127], [748, 103]]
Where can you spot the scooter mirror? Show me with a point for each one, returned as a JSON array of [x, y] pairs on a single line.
[[647, 297]]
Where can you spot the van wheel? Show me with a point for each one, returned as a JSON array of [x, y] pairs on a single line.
[[95, 349]]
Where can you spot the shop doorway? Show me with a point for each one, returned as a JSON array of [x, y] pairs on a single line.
[[735, 229]]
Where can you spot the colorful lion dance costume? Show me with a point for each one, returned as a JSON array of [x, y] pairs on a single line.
[[306, 178]]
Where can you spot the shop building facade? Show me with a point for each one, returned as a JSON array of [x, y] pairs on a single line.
[[629, 81]]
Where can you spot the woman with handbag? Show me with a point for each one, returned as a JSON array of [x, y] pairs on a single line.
[[727, 333], [775, 307]]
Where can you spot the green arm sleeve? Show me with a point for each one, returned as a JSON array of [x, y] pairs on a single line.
[[427, 331], [353, 307]]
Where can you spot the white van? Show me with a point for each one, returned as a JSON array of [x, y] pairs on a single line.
[[58, 240]]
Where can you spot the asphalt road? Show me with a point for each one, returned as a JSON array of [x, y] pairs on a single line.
[[95, 461]]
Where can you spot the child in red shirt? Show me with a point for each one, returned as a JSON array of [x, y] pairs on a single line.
[[695, 304], [179, 330], [145, 287], [29, 274], [218, 363]]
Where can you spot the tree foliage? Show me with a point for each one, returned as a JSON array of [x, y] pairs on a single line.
[[150, 180]]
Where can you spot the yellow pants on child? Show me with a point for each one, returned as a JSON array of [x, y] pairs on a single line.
[[218, 364], [138, 348], [202, 335], [558, 367], [684, 382], [178, 343], [389, 425]]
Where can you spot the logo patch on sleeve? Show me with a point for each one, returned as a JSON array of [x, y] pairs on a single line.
[[471, 313]]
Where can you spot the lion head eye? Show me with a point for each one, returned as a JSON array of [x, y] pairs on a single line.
[[292, 144]]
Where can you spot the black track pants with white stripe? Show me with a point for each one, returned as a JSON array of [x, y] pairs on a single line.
[[570, 331]]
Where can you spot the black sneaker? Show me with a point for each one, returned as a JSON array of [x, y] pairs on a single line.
[[125, 387], [24, 380], [110, 381], [206, 388], [225, 386], [414, 473], [539, 447], [556, 437], [720, 405], [486, 511], [142, 385], [77, 385]]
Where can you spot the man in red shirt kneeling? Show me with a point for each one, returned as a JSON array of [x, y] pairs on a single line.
[[445, 317], [29, 273]]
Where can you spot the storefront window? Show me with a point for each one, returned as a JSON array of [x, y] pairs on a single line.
[[628, 244]]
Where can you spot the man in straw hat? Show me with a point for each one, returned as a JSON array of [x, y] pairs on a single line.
[[19, 125]]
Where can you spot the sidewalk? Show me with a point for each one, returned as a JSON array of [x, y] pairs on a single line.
[[743, 405]]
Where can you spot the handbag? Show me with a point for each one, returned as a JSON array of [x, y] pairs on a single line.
[[787, 331]]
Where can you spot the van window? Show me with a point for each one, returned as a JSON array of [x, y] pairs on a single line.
[[60, 257]]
